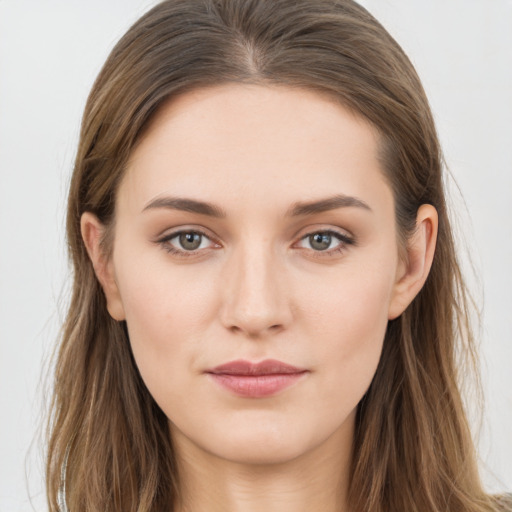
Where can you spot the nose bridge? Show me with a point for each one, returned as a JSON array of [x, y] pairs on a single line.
[[255, 300]]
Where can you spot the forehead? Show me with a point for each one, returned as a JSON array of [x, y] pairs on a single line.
[[248, 144]]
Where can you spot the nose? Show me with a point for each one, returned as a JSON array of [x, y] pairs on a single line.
[[255, 296]]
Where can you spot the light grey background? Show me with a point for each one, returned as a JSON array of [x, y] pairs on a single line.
[[50, 53]]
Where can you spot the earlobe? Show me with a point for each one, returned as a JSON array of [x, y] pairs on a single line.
[[420, 253], [92, 233]]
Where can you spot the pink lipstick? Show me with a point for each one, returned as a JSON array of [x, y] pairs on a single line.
[[256, 380]]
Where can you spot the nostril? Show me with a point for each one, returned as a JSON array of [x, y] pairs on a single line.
[[255, 331]]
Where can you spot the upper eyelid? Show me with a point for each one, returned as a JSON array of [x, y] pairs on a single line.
[[343, 239], [206, 232], [342, 233], [341, 236], [172, 233]]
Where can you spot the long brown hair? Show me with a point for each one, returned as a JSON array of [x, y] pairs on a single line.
[[109, 445]]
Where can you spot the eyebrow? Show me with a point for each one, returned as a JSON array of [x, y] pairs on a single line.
[[186, 205], [323, 205], [297, 209]]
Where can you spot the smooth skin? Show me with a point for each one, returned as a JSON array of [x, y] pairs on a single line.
[[315, 289]]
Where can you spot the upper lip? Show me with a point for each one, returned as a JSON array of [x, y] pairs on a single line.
[[266, 367]]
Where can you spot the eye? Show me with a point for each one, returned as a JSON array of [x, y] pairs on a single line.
[[186, 242], [325, 241], [190, 241]]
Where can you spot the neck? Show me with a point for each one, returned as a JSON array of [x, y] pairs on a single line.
[[317, 480]]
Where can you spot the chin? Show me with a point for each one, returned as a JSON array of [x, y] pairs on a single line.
[[262, 451], [259, 440]]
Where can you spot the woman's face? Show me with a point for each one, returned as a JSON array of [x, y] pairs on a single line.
[[254, 224]]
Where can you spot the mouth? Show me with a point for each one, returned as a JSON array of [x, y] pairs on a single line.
[[256, 380]]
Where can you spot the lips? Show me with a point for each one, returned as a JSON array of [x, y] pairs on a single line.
[[256, 380]]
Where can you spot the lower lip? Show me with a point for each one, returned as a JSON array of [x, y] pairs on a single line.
[[256, 386]]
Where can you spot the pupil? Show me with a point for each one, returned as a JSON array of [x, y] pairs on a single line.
[[320, 241], [190, 241]]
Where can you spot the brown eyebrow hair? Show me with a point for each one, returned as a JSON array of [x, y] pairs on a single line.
[[330, 203], [297, 209], [186, 205]]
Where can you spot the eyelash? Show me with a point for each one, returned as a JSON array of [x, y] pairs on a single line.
[[182, 253], [344, 242]]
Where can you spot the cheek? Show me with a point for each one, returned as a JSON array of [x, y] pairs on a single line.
[[167, 309], [353, 303], [348, 318]]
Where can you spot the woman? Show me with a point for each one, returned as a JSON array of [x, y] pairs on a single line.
[[267, 303]]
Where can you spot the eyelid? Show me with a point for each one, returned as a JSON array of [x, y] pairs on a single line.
[[324, 228], [345, 240], [163, 240]]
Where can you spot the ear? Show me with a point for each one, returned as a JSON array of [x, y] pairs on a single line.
[[92, 234], [412, 272]]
